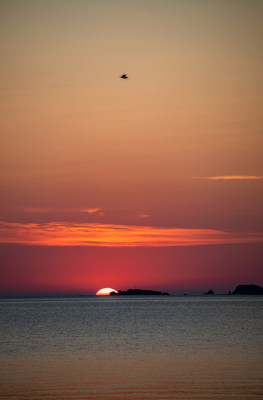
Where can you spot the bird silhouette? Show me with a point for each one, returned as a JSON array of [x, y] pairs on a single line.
[[124, 76]]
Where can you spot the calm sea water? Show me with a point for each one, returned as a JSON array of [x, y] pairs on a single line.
[[132, 348]]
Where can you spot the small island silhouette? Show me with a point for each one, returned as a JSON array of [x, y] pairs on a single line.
[[210, 292], [138, 292], [248, 290]]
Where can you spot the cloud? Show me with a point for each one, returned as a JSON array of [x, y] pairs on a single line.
[[61, 210], [144, 215], [97, 211], [109, 235], [229, 177]]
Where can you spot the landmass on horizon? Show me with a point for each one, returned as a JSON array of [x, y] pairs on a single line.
[[239, 290], [138, 292], [248, 290]]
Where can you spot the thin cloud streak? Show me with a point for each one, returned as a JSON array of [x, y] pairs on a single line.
[[144, 215], [109, 235], [97, 211], [229, 177]]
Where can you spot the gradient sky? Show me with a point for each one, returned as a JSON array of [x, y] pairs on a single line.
[[155, 181]]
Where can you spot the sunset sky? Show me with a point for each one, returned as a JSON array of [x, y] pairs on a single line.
[[155, 181]]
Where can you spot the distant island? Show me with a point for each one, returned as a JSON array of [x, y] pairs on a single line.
[[210, 291], [248, 290], [139, 292]]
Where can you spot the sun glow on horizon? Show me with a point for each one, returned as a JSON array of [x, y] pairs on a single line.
[[105, 291]]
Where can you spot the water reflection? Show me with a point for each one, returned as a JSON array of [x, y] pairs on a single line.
[[131, 349]]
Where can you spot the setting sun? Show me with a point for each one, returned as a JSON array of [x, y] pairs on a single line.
[[105, 291]]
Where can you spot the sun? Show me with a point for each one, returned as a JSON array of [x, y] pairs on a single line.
[[105, 291]]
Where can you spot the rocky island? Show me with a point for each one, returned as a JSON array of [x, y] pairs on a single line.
[[210, 291], [138, 292], [248, 290]]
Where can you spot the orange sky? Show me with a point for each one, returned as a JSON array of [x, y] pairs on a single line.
[[108, 235], [177, 147]]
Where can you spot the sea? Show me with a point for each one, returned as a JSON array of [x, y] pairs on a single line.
[[131, 347]]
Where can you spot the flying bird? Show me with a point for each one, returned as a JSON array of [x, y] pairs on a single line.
[[124, 76]]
